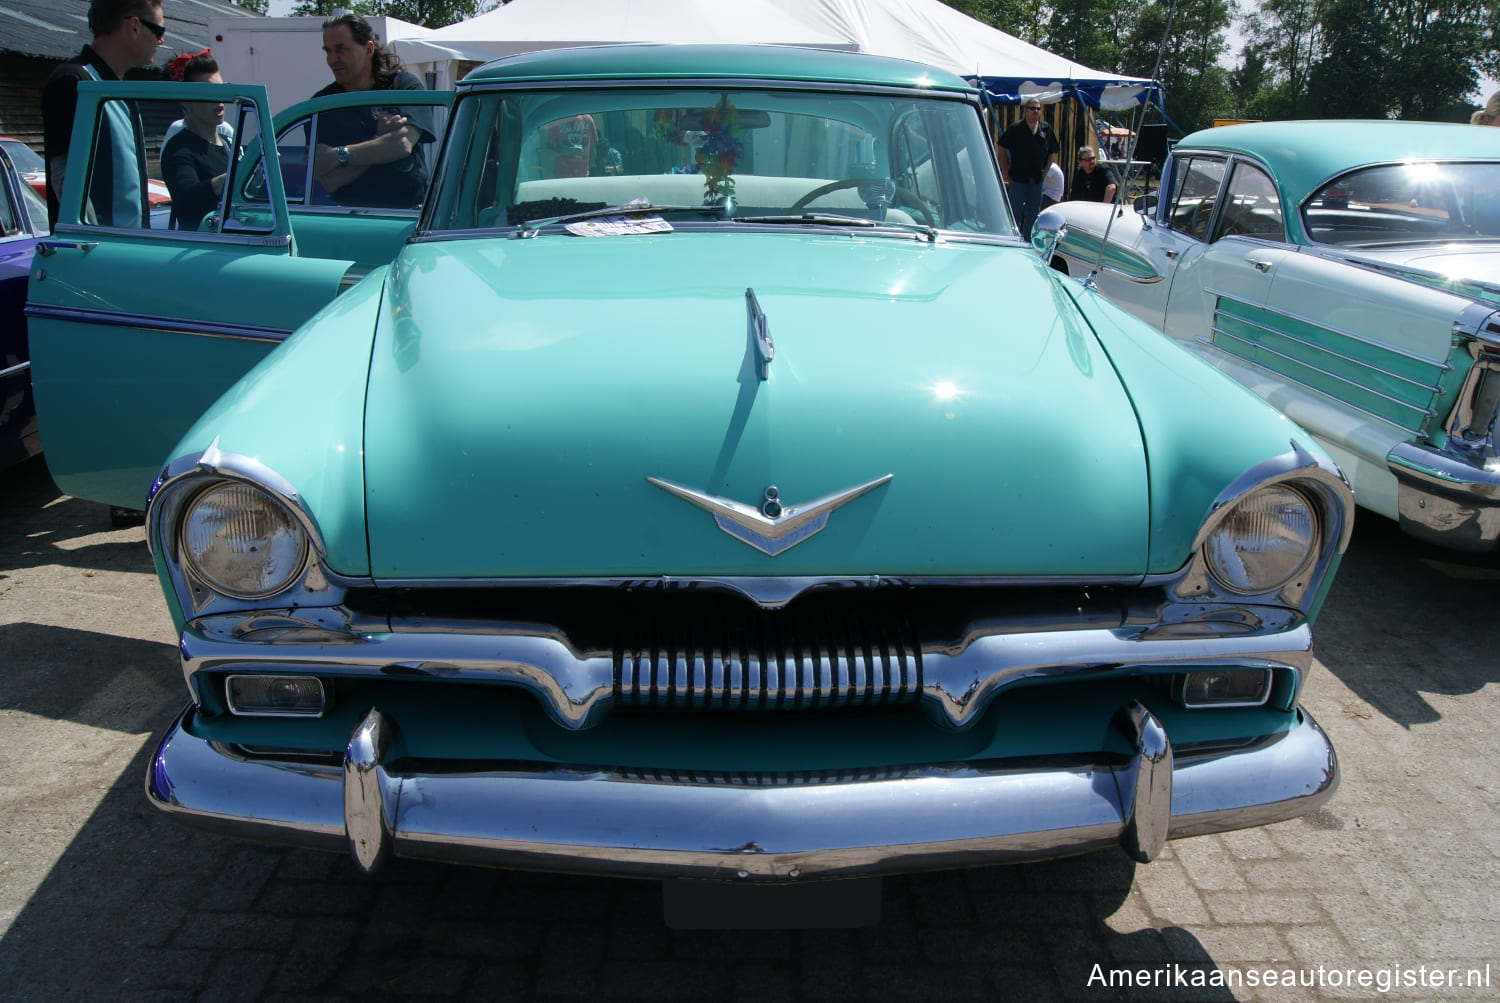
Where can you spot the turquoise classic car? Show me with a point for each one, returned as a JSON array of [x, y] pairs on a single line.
[[1347, 272], [712, 485]]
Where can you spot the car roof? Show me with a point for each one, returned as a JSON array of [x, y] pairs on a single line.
[[1305, 154], [739, 62]]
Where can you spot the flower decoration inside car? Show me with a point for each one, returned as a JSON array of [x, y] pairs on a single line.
[[720, 150], [714, 135]]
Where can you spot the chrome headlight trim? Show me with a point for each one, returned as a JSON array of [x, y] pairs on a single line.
[[240, 541], [181, 481], [1314, 478], [1264, 566]]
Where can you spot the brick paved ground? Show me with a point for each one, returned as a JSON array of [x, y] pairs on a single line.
[[103, 898]]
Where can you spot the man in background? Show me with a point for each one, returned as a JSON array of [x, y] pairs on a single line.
[[1092, 182], [126, 35], [1027, 149], [368, 156]]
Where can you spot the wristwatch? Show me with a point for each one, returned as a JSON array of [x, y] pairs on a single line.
[[341, 154]]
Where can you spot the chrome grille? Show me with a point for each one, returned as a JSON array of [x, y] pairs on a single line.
[[760, 778], [771, 664]]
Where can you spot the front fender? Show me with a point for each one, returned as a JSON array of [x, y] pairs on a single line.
[[1076, 230], [316, 444]]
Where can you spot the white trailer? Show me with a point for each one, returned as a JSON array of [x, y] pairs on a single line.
[[286, 54]]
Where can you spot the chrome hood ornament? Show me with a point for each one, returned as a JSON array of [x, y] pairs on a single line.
[[760, 333], [774, 527]]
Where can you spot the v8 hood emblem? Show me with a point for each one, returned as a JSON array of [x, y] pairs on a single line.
[[775, 527]]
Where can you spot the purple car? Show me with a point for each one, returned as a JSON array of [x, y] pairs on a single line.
[[23, 221]]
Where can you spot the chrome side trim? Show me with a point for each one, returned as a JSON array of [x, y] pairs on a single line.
[[1341, 332], [176, 236], [1426, 414], [1439, 367], [611, 821], [577, 688], [146, 322], [21, 368]]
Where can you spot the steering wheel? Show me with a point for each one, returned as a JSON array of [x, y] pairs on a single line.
[[900, 196]]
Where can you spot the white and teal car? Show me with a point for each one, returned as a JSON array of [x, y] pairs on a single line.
[[712, 484], [1347, 272]]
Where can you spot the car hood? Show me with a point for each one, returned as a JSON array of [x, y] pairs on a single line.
[[1471, 269], [522, 392]]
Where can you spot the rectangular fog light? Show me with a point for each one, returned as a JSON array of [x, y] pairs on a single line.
[[1223, 688], [275, 696]]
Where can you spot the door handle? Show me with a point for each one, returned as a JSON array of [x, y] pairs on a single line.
[[1170, 254], [1261, 264], [47, 248]]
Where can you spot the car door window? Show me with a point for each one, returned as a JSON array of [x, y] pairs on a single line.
[[1194, 193], [147, 171], [1251, 207]]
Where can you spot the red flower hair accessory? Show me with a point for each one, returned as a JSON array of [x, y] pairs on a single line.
[[178, 69]]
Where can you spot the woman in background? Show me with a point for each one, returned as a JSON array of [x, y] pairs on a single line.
[[194, 160]]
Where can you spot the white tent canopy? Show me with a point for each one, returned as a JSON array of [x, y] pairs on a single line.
[[923, 30], [527, 25]]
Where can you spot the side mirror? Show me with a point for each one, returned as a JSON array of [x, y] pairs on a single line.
[[1046, 235], [1146, 204]]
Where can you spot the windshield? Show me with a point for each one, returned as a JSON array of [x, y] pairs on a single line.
[[515, 156], [23, 156], [1407, 203]]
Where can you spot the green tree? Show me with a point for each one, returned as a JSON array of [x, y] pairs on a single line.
[[1413, 59], [1197, 87], [429, 13], [259, 6], [1288, 35], [1341, 84], [1021, 18], [1081, 30]]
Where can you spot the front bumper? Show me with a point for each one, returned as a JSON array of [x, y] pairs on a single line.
[[1445, 499], [781, 827]]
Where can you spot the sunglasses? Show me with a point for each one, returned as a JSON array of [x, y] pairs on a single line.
[[1033, 107], [159, 30], [1085, 160]]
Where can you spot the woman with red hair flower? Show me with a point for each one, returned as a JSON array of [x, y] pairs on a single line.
[[195, 158]]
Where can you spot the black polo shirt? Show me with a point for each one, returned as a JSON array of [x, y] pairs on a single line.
[[1028, 151]]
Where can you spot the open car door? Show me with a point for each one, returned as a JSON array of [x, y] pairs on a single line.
[[136, 325]]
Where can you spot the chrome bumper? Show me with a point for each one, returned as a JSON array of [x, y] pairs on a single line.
[[1445, 499], [644, 824]]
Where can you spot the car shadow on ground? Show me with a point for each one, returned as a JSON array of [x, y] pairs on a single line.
[[138, 906], [1414, 632], [26, 489]]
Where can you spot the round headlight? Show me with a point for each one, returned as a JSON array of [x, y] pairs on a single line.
[[241, 542], [1264, 541]]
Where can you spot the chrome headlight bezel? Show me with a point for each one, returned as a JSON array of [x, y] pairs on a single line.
[[1242, 556], [1317, 482], [275, 548], [183, 481]]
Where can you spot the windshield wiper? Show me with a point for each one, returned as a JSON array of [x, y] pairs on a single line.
[[836, 219], [530, 227]]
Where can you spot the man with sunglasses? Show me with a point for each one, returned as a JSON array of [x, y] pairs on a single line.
[[1027, 149], [126, 35], [1093, 181]]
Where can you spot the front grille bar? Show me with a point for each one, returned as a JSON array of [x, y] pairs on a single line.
[[858, 662]]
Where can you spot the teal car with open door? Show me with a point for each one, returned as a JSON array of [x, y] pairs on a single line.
[[713, 485]]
